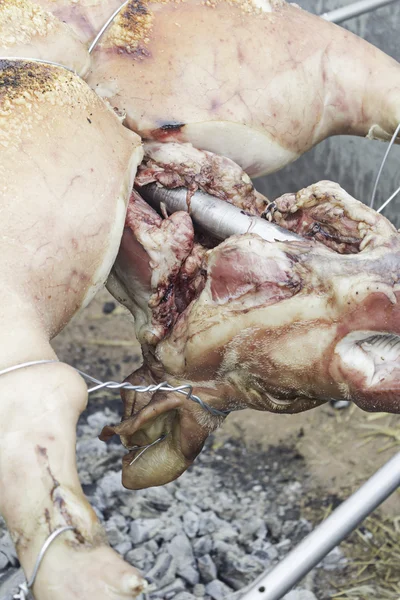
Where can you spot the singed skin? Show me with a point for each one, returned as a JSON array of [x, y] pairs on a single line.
[[29, 31], [184, 72], [260, 85], [66, 169], [85, 17]]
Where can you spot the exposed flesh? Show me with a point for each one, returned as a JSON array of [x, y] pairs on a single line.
[[270, 326], [181, 165]]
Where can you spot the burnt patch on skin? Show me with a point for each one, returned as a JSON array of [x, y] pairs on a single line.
[[131, 30], [140, 53], [172, 126], [48, 519], [42, 453], [167, 132], [20, 76]]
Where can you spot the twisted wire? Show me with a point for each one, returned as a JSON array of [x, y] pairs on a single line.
[[392, 141], [106, 26], [27, 585], [38, 60], [186, 389]]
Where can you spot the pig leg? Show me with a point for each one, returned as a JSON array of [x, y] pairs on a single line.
[[40, 489]]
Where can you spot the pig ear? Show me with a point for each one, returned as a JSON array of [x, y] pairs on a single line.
[[171, 417], [370, 365]]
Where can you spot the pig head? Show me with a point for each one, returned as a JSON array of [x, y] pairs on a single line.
[[279, 327]]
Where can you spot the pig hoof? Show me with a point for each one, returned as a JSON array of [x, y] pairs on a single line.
[[100, 573]]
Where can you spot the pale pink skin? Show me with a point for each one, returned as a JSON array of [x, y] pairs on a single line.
[[258, 85], [66, 170], [29, 31], [85, 17]]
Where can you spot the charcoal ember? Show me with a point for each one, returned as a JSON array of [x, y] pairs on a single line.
[[170, 590], [227, 507], [7, 548], [203, 545], [207, 568], [271, 552], [191, 523], [123, 548], [237, 570], [199, 590], [85, 477], [116, 528], [110, 485], [152, 546], [141, 558], [107, 463], [114, 535], [254, 527], [163, 571], [172, 529], [89, 449], [170, 575], [274, 525], [4, 562], [218, 590], [189, 573], [159, 498], [118, 521], [210, 523], [181, 549], [143, 530], [226, 532], [226, 557]]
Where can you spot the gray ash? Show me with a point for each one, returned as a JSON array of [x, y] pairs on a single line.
[[232, 515]]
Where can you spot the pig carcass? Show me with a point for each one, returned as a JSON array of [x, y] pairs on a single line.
[[66, 168]]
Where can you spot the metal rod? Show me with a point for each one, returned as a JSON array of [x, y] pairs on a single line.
[[214, 216], [354, 10], [327, 536]]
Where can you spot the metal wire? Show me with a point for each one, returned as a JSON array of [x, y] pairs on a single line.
[[185, 389], [392, 197], [26, 586], [38, 60], [354, 10], [392, 141], [145, 448], [106, 26]]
